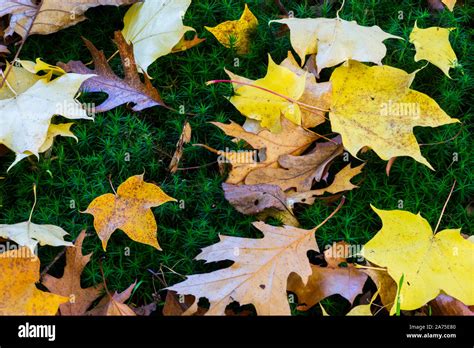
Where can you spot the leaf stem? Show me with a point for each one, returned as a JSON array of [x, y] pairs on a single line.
[[444, 207]]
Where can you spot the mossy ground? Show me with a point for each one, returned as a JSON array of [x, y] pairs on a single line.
[[80, 171]]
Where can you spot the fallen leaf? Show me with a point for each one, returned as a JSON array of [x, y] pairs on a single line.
[[27, 116], [254, 199], [236, 32], [432, 44], [374, 106], [364, 309], [69, 285], [29, 17], [315, 94], [298, 172], [184, 44], [293, 140], [129, 210], [4, 49], [183, 139], [259, 273], [386, 286], [266, 107], [447, 305], [430, 263], [341, 182], [336, 40], [120, 91], [449, 4], [29, 234], [327, 281], [114, 305], [18, 292], [154, 28]]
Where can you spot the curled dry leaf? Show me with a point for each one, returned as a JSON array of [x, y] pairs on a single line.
[[183, 139], [69, 285], [130, 89], [129, 210], [18, 292], [327, 281]]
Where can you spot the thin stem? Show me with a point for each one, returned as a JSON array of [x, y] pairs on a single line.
[[340, 8], [341, 203], [112, 185], [34, 203], [444, 207]]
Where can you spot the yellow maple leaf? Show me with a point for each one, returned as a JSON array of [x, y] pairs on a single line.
[[432, 44], [266, 107], [237, 32], [129, 210], [374, 106], [430, 262], [18, 292]]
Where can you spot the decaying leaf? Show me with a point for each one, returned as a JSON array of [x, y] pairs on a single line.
[[18, 292], [386, 286], [336, 40], [432, 44], [237, 32], [447, 305], [49, 16], [293, 140], [154, 28], [120, 91], [298, 172], [183, 139], [374, 106], [430, 263], [341, 182], [255, 199], [69, 285], [129, 210], [260, 271], [327, 281], [114, 305]]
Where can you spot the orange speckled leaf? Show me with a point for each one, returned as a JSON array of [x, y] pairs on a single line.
[[18, 292], [129, 210]]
